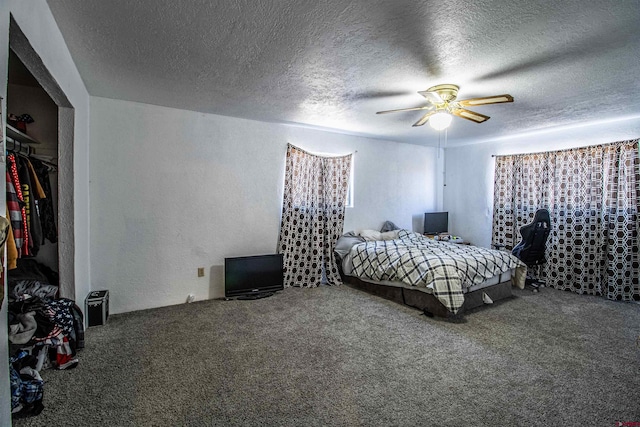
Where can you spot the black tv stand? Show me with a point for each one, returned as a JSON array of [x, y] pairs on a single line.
[[256, 296]]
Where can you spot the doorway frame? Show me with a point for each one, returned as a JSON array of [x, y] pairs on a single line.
[[21, 46]]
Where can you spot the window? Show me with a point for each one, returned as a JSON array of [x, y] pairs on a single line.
[[592, 194], [312, 216], [349, 201]]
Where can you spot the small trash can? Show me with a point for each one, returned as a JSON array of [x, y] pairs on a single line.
[[97, 308]]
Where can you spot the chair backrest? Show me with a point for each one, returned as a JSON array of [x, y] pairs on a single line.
[[534, 237]]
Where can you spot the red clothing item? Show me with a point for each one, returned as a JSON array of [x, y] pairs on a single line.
[[13, 171], [15, 215]]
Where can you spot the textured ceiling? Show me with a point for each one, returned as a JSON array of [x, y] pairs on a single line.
[[334, 63]]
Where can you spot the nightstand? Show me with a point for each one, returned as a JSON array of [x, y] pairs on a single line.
[[459, 241]]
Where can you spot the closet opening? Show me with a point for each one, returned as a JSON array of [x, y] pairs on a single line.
[[39, 135]]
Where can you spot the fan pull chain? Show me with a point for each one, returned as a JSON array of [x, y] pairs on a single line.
[[444, 160]]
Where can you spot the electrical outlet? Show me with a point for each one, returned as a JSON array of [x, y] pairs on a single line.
[[200, 271]]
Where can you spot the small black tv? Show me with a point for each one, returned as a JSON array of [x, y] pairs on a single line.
[[436, 222], [253, 277]]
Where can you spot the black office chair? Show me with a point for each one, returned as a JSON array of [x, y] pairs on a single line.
[[531, 248]]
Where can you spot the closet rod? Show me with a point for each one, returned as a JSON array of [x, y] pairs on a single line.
[[19, 145], [18, 149]]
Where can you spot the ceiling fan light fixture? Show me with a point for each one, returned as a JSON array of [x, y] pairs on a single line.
[[442, 105], [440, 121]]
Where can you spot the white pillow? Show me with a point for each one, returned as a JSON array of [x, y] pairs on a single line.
[[370, 235], [389, 235]]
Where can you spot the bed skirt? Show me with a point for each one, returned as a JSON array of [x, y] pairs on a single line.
[[427, 302]]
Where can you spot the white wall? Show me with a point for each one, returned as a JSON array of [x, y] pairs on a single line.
[[36, 21], [468, 195], [174, 190]]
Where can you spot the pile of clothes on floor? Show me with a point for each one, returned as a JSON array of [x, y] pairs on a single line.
[[44, 332]]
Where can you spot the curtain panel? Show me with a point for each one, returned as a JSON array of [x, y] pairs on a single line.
[[315, 191], [592, 194]]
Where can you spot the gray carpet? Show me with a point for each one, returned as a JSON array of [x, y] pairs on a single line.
[[339, 356]]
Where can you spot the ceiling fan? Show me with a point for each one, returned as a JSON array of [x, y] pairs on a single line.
[[442, 104]]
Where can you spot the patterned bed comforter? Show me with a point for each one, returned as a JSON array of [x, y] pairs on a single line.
[[418, 261]]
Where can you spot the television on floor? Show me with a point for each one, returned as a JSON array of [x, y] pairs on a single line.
[[253, 277], [436, 222]]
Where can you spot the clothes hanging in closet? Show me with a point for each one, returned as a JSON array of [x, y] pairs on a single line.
[[12, 251], [45, 205], [30, 195], [20, 230], [15, 213], [29, 205]]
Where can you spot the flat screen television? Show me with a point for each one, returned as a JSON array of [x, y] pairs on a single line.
[[436, 222], [252, 277]]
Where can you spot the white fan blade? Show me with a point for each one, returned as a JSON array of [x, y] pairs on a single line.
[[470, 115], [432, 97], [424, 119], [498, 99], [426, 107]]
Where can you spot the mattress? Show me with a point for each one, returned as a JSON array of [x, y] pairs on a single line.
[[446, 270], [347, 268]]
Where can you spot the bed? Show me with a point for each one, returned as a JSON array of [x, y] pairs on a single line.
[[441, 278]]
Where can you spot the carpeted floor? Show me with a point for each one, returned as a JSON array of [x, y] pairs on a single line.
[[339, 356]]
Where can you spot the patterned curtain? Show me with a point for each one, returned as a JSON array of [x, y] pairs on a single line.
[[315, 191], [592, 194]]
